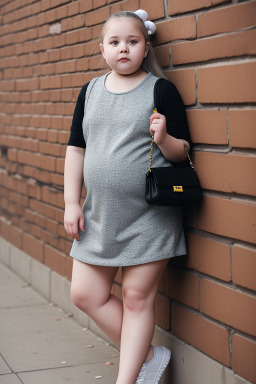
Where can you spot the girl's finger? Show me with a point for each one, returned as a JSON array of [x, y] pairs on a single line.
[[81, 224], [155, 115]]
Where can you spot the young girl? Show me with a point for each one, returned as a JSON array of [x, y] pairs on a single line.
[[116, 228]]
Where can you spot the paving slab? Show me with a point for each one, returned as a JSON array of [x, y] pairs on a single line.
[[15, 292], [40, 343], [87, 374], [4, 368], [43, 337], [10, 379]]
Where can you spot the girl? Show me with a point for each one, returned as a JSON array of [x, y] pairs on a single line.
[[116, 227]]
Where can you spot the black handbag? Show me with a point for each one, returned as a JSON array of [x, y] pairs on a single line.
[[172, 186]]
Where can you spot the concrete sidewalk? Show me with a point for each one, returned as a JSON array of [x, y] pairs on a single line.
[[41, 344]]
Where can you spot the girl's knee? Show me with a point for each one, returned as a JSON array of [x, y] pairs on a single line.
[[135, 300], [78, 297], [87, 299]]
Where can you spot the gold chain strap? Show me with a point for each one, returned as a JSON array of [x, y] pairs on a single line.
[[152, 146], [189, 158]]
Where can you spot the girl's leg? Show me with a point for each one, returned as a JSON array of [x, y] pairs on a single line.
[[91, 292], [140, 284]]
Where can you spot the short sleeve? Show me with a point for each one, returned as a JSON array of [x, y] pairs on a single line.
[[170, 104], [76, 137]]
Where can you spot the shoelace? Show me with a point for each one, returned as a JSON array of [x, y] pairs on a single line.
[[141, 376]]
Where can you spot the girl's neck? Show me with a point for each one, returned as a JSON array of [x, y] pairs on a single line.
[[116, 82]]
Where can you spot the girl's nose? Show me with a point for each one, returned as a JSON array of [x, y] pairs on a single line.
[[123, 48]]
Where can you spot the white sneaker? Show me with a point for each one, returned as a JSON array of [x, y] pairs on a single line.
[[152, 371]]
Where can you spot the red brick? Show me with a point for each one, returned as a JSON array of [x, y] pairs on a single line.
[[154, 8], [85, 34], [118, 277], [163, 55], [85, 6], [244, 266], [32, 247], [61, 12], [181, 286], [52, 196], [175, 29], [177, 6], [98, 16], [97, 62], [242, 128], [244, 357], [50, 82], [96, 31], [55, 260], [233, 83], [130, 5], [54, 55], [115, 8], [12, 154], [72, 37], [69, 267], [228, 19], [184, 79], [7, 85], [227, 217], [117, 291], [72, 80], [208, 126], [66, 66], [11, 233], [229, 173], [78, 50], [73, 8], [99, 3], [235, 44], [208, 256], [229, 306], [72, 23], [163, 311], [91, 48], [50, 149], [202, 333]]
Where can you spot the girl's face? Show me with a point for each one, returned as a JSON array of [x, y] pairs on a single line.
[[124, 46]]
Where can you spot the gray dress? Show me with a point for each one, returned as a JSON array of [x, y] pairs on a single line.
[[121, 229]]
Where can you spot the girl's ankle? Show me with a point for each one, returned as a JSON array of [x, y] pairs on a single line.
[[150, 355]]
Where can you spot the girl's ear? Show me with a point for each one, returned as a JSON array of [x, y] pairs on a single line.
[[102, 50], [147, 48]]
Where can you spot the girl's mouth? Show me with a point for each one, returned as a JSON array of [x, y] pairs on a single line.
[[123, 60]]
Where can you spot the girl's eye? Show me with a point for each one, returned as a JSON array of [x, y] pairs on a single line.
[[133, 42], [114, 42]]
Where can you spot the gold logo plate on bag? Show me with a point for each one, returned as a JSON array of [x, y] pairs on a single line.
[[177, 188]]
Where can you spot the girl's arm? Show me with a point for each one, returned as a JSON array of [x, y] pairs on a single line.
[[171, 148], [73, 176]]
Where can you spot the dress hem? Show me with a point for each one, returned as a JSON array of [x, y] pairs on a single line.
[[127, 265]]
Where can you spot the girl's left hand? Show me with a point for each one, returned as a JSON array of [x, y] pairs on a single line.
[[158, 128]]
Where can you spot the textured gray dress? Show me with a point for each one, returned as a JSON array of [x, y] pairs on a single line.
[[120, 227]]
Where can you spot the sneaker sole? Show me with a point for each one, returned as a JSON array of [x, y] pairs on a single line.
[[167, 358]]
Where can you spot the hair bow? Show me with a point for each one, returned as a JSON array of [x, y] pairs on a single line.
[[150, 26]]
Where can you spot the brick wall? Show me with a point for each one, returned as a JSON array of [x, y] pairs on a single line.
[[48, 50]]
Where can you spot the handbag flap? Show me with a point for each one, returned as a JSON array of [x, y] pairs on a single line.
[[167, 177]]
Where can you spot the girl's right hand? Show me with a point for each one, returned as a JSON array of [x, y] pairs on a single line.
[[74, 220]]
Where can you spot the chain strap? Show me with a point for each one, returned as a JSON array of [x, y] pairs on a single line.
[[152, 146]]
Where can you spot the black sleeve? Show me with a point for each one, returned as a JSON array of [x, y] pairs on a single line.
[[170, 104], [76, 137]]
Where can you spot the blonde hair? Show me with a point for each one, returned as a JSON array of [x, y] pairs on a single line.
[[150, 63]]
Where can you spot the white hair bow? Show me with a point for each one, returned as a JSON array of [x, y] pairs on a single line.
[[150, 26]]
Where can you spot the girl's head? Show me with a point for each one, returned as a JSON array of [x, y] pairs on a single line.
[[125, 35]]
